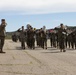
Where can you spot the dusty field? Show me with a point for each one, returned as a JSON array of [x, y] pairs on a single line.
[[36, 62]]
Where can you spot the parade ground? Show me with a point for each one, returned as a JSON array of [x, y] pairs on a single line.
[[36, 62]]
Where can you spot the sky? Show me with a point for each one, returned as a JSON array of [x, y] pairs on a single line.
[[37, 13]]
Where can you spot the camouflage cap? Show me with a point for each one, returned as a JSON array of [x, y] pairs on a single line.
[[2, 19], [61, 24], [22, 26]]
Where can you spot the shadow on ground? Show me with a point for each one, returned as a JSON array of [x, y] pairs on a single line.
[[52, 52]]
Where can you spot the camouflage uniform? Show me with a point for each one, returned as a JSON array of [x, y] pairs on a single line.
[[54, 39], [2, 36], [72, 40], [43, 40], [75, 39], [61, 37], [30, 38], [69, 37], [66, 40], [57, 42], [22, 38], [38, 38]]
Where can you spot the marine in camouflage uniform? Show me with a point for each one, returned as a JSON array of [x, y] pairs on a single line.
[[30, 38], [69, 40], [38, 38], [72, 40], [75, 39], [43, 39], [66, 39], [52, 36], [22, 37], [2, 34], [57, 42], [61, 37], [54, 39]]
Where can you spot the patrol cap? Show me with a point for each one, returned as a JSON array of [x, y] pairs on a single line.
[[2, 19], [61, 24], [34, 28], [22, 26]]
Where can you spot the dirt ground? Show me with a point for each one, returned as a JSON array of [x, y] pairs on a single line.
[[36, 62]]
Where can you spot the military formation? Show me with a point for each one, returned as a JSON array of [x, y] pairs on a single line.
[[63, 39], [30, 35], [59, 38]]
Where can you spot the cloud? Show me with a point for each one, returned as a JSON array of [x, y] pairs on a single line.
[[36, 6]]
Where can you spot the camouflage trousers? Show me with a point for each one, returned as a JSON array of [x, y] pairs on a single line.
[[2, 39], [62, 44], [43, 43], [31, 43], [23, 43]]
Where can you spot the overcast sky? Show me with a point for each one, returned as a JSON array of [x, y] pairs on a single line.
[[37, 9], [37, 6]]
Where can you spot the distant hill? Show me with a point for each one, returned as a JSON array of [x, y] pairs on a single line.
[[9, 34]]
